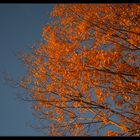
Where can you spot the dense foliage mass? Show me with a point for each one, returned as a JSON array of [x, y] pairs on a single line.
[[84, 76]]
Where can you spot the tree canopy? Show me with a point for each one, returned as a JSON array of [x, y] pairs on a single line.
[[83, 78]]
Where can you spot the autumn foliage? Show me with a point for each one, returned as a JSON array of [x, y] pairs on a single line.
[[84, 76]]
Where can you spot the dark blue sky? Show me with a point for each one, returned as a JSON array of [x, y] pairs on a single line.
[[20, 25]]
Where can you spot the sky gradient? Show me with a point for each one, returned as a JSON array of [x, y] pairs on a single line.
[[20, 25]]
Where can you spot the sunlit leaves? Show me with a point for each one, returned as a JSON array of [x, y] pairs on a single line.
[[88, 65]]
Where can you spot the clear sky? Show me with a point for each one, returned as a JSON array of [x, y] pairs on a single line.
[[20, 25]]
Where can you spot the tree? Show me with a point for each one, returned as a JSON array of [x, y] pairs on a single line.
[[84, 76]]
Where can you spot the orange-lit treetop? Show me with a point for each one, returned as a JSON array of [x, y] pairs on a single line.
[[84, 77]]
